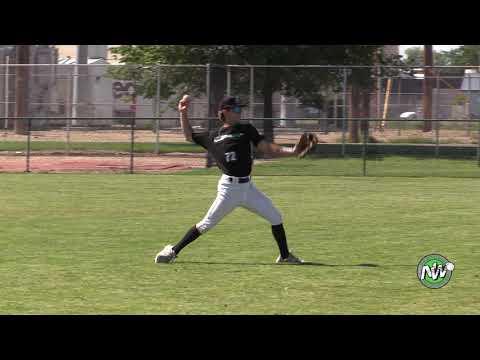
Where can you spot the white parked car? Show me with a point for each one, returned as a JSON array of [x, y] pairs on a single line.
[[408, 115]]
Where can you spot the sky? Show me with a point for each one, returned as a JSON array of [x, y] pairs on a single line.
[[435, 47]]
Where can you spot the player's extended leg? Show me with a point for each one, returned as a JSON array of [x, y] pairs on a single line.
[[221, 207], [260, 204], [224, 203]]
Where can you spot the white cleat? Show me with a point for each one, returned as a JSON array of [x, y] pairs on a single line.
[[167, 255], [291, 259]]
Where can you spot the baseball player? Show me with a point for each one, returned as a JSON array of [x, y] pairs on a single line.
[[230, 146]]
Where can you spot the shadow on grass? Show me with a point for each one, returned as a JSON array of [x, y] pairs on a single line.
[[308, 263]]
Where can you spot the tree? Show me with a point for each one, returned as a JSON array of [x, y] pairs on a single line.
[[307, 85], [465, 55], [414, 56], [417, 56], [361, 85]]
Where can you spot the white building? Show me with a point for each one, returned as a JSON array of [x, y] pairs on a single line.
[[471, 88], [92, 92]]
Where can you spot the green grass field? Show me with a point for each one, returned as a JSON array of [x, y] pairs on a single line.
[[84, 244], [388, 166]]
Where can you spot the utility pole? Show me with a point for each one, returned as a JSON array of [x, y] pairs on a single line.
[[22, 88], [427, 88]]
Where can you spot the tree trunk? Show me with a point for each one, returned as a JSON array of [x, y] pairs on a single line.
[[353, 133], [268, 106], [218, 89], [218, 85], [22, 88], [365, 110], [427, 89]]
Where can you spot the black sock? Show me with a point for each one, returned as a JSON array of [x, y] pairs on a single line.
[[189, 237], [279, 233]]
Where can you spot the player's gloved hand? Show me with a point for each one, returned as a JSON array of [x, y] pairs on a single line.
[[306, 142]]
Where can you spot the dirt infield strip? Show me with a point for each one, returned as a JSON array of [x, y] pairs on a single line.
[[165, 163]]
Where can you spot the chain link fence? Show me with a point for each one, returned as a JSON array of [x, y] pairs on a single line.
[[127, 111]]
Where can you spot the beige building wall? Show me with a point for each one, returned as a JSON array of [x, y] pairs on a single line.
[[71, 51], [67, 51]]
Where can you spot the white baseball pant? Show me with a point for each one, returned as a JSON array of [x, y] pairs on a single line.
[[230, 195]]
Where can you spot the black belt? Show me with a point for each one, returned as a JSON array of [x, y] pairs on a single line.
[[240, 180]]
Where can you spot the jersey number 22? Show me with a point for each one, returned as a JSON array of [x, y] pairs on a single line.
[[230, 156]]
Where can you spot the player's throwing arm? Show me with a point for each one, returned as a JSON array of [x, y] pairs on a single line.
[[183, 110]]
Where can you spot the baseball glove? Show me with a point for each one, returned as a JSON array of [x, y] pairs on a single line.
[[305, 144]]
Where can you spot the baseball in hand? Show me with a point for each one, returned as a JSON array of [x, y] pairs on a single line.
[[185, 99], [183, 105]]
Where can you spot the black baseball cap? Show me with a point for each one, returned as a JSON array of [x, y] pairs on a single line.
[[230, 102]]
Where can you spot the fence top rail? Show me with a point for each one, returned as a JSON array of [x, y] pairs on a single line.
[[257, 66], [214, 118], [104, 65]]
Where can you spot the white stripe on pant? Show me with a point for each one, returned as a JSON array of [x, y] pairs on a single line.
[[230, 196]]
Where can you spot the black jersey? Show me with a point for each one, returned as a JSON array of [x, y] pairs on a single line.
[[230, 147]]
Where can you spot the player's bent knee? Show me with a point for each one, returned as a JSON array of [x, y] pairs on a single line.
[[276, 218], [204, 226]]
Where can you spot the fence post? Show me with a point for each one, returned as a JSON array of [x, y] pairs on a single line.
[[437, 123], [379, 97], [132, 142], [478, 143], [74, 101], [132, 126], [157, 112], [68, 136], [469, 104], [364, 148], [29, 138], [400, 124], [209, 114], [7, 89], [345, 110], [252, 93], [69, 111], [229, 80]]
